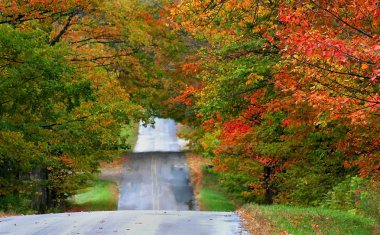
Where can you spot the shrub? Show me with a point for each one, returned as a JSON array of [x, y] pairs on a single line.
[[356, 195]]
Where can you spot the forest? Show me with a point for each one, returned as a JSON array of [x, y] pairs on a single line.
[[281, 95]]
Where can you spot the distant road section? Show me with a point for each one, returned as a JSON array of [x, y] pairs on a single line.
[[156, 177], [156, 181], [160, 138]]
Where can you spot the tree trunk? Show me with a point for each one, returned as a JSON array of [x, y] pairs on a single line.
[[268, 189]]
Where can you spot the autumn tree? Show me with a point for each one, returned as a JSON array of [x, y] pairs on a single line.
[[236, 83], [72, 75], [332, 48], [285, 86]]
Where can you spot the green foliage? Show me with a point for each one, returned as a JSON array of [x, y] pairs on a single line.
[[356, 195], [130, 133], [347, 194], [225, 91], [239, 187], [209, 143], [312, 149], [55, 127], [15, 204]]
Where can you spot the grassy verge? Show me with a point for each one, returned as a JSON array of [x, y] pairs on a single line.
[[103, 195], [214, 200], [195, 163], [281, 219], [209, 195]]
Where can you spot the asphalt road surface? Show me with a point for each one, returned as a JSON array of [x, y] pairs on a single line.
[[125, 222], [156, 176], [156, 181]]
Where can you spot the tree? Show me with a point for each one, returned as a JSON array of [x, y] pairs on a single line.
[[331, 60], [288, 86], [236, 84], [66, 92]]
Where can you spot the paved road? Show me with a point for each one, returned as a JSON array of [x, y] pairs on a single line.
[[156, 176], [156, 181], [160, 138], [125, 222]]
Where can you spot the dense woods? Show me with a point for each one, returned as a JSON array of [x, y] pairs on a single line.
[[73, 73], [283, 96]]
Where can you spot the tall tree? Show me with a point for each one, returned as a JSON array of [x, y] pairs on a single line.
[[72, 75], [285, 86]]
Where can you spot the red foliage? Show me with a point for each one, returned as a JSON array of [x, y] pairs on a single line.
[[186, 97]]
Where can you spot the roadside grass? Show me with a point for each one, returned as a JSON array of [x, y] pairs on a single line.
[[207, 191], [211, 195], [101, 196], [214, 201], [280, 219]]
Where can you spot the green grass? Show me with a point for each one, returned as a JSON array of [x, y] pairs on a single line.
[[211, 196], [303, 221], [101, 196], [215, 201]]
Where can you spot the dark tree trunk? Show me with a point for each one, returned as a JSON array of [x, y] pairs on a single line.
[[39, 200], [268, 190]]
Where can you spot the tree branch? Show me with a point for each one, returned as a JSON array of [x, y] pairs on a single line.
[[341, 20], [63, 30], [80, 119], [331, 71]]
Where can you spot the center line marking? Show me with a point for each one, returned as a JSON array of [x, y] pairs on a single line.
[[151, 177], [157, 189]]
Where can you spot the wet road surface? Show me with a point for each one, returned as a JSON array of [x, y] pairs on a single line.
[[125, 222], [156, 181]]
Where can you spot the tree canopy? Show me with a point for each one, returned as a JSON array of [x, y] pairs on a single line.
[[73, 73], [283, 96], [286, 98]]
